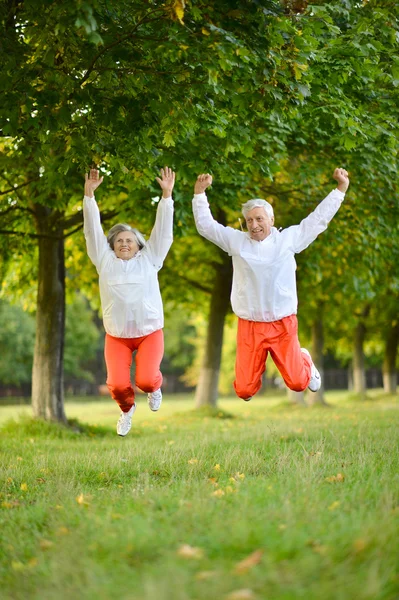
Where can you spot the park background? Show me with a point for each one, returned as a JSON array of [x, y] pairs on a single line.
[[269, 97]]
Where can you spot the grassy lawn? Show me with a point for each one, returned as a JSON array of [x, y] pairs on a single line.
[[274, 502]]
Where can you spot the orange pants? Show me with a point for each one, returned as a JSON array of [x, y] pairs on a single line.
[[118, 358], [255, 340]]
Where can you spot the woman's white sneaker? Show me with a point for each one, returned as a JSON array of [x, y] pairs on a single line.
[[125, 421], [315, 379], [155, 400]]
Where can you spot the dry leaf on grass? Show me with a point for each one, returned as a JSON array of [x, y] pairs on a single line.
[[244, 594], [339, 478], [190, 552], [83, 500], [202, 575], [248, 563]]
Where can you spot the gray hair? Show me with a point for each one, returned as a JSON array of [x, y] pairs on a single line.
[[113, 232], [255, 203]]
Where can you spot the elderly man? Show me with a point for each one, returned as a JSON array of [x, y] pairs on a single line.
[[264, 295]]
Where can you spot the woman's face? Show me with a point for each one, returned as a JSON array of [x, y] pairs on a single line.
[[125, 245]]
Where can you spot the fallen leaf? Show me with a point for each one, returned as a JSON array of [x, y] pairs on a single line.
[[334, 505], [360, 544], [24, 487], [193, 461], [339, 478], [83, 500], [216, 467], [244, 594], [45, 544], [11, 504], [205, 575], [218, 493], [63, 531], [191, 552], [251, 561]]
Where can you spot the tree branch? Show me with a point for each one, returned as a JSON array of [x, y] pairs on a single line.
[[119, 41], [17, 187], [31, 235]]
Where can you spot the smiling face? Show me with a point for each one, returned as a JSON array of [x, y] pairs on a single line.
[[125, 245], [259, 223]]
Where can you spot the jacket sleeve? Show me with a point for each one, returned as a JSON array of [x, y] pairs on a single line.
[[307, 231], [161, 237], [224, 237], [96, 241]]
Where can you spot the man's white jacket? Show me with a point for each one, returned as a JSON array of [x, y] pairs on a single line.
[[130, 297], [264, 282]]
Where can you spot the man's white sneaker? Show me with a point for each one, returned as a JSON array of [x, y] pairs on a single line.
[[155, 400], [125, 421], [315, 381]]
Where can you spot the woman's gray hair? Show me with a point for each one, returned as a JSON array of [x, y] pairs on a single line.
[[113, 232], [255, 203]]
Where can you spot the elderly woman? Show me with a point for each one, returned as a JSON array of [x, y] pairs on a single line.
[[131, 302]]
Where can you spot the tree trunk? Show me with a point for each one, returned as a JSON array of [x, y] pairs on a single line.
[[359, 375], [389, 373], [318, 359], [207, 388], [47, 374]]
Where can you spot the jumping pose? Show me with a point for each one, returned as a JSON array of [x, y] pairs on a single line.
[[264, 295], [131, 301]]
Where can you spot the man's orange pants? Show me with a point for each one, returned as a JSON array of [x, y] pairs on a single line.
[[255, 340], [118, 358]]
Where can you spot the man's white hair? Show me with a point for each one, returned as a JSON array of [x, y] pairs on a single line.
[[255, 203]]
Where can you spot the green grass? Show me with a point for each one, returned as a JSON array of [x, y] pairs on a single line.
[[86, 514]]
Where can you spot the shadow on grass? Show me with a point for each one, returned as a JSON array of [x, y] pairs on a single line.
[[207, 412], [28, 427]]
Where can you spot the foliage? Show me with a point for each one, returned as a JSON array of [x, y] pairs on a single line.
[[82, 338], [17, 334]]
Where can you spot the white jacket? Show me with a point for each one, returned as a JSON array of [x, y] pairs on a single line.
[[129, 290], [264, 282]]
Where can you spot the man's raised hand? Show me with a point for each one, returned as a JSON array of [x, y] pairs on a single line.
[[341, 176], [167, 182], [92, 181], [203, 182]]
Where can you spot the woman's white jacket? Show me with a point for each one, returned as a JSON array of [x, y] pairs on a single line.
[[130, 297]]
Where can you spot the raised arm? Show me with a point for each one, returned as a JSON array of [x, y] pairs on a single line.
[[315, 223], [206, 225], [96, 241], [161, 237]]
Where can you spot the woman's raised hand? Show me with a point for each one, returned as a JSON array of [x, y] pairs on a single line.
[[166, 181], [92, 181]]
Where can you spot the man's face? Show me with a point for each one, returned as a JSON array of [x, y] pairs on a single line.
[[125, 245], [259, 223]]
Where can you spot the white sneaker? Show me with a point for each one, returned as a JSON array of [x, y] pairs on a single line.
[[125, 421], [315, 381], [155, 400]]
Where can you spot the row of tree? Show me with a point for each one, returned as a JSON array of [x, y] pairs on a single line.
[[268, 96]]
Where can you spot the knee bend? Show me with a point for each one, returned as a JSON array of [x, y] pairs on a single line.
[[297, 387], [120, 392], [244, 393], [148, 385]]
